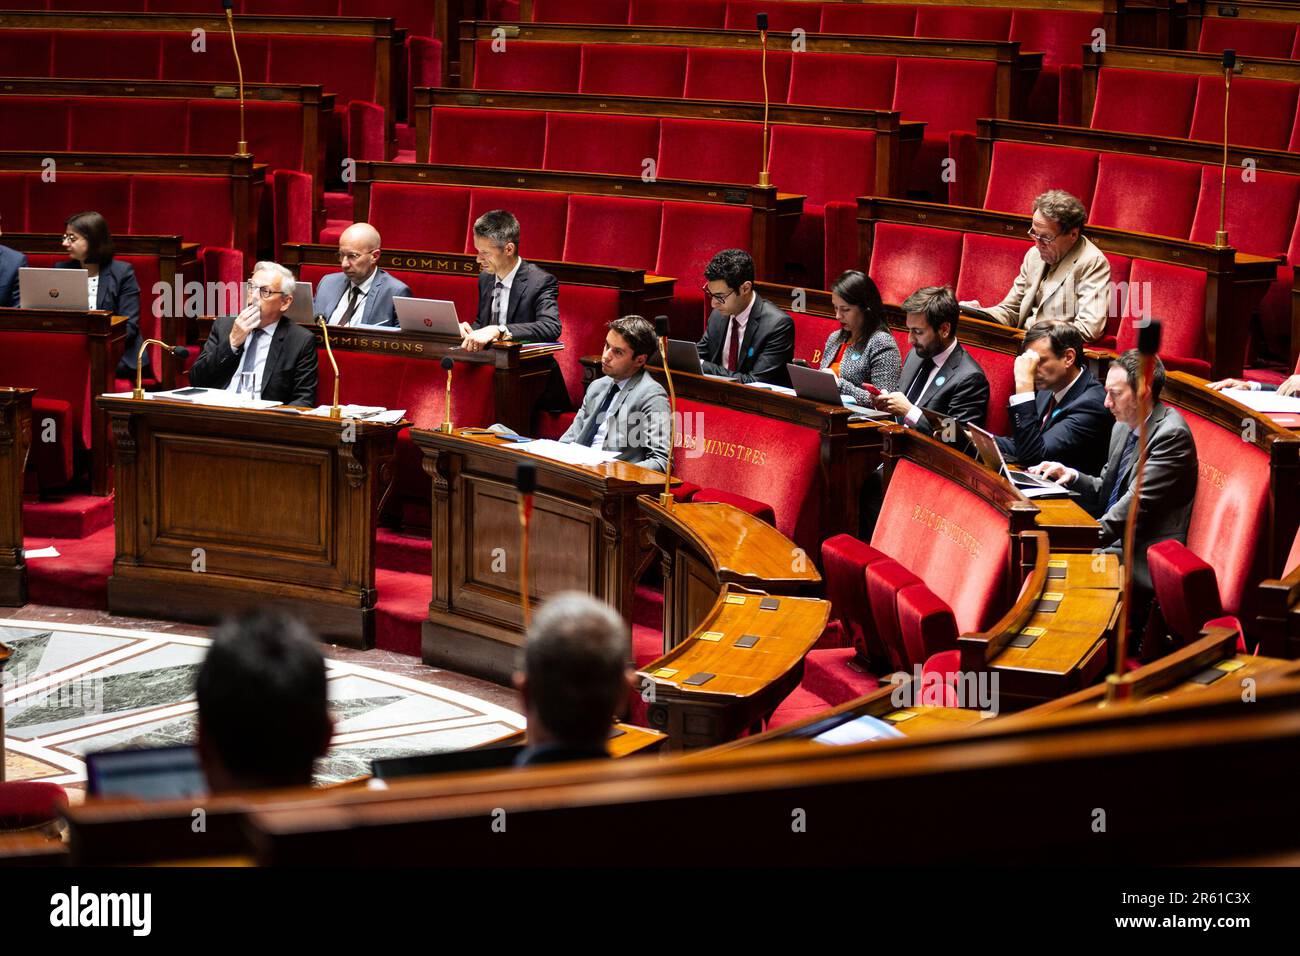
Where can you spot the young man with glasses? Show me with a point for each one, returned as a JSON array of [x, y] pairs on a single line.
[[1063, 275], [746, 337], [278, 356]]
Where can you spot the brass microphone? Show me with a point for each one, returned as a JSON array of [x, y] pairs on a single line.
[[1229, 64], [661, 333], [335, 411], [764, 177], [242, 150], [525, 484], [446, 426], [177, 351]]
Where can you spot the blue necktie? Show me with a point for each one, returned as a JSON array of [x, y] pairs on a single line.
[[1124, 460]]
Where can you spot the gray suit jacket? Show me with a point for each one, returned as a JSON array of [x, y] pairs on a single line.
[[639, 420], [1078, 291], [376, 308], [1168, 488]]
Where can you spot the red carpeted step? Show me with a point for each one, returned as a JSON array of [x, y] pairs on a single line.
[[800, 704], [648, 607], [338, 206], [647, 644], [67, 516], [405, 138], [836, 675], [395, 551], [78, 577], [402, 610], [404, 156]]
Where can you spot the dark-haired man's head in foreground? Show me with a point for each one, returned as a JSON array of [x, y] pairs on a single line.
[[263, 715]]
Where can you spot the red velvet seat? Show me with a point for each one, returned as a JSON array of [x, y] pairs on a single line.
[[710, 14], [925, 624], [517, 138], [1020, 172], [905, 258], [613, 231], [580, 11], [939, 675], [1142, 194], [180, 61], [989, 266], [112, 125], [34, 122], [542, 217], [689, 149], [590, 143], [1262, 114], [1060, 35], [548, 67], [844, 562], [716, 74], [30, 803], [51, 203], [1187, 591], [689, 234], [845, 80], [999, 368], [963, 23], [782, 17], [27, 52], [584, 313], [759, 509], [627, 70], [869, 19], [58, 365], [949, 96], [810, 334], [422, 216], [1144, 101], [1175, 295], [83, 53], [1253, 38], [884, 581]]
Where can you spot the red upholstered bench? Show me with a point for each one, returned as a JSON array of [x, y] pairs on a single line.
[[716, 74], [1021, 171], [58, 365], [1264, 38], [25, 804], [630, 70], [1187, 594], [886, 19], [1262, 113], [949, 96], [1144, 101], [905, 258], [678, 13], [847, 80]]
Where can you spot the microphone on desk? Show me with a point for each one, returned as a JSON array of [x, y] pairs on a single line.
[[661, 333], [228, 6], [335, 411], [1229, 65], [177, 351], [446, 425], [1148, 346], [525, 485], [764, 178]]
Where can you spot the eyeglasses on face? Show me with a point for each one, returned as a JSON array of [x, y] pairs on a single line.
[[264, 291], [1041, 239], [70, 237], [717, 298]]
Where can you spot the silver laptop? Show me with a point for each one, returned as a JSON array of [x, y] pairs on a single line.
[[301, 310], [426, 315], [684, 356], [53, 289], [1030, 485], [819, 386]]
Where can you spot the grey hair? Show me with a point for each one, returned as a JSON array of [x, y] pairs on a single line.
[[1062, 208], [575, 656], [498, 226], [287, 281]]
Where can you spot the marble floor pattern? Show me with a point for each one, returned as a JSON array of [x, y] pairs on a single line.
[[72, 689]]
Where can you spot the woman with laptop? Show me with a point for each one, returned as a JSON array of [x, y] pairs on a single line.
[[863, 352], [111, 284]]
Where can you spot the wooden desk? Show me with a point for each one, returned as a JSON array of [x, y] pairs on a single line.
[[624, 740], [224, 508], [105, 336], [709, 545], [15, 442], [747, 683], [1068, 526], [585, 533]]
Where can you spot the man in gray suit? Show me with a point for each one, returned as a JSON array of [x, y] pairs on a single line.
[[362, 294], [627, 410], [1168, 485]]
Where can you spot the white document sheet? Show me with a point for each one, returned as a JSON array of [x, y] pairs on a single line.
[[1264, 402], [571, 453]]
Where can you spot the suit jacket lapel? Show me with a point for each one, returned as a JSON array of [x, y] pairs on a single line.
[[1064, 273], [751, 332], [273, 352], [908, 375], [517, 291], [944, 376], [102, 291]]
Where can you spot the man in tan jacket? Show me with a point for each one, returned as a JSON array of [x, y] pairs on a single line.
[[1063, 276]]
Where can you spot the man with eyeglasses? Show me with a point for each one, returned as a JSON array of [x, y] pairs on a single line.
[[362, 294], [746, 338], [1063, 275], [273, 359]]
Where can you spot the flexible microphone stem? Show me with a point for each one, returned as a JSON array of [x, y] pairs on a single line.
[[446, 427], [178, 351], [335, 410], [661, 328], [242, 150], [764, 176], [1221, 237]]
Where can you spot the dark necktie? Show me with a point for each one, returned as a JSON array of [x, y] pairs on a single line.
[[918, 384], [250, 355], [733, 347], [593, 424], [1125, 459], [354, 296], [498, 294], [1051, 407]]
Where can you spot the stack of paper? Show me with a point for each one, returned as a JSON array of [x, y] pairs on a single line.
[[570, 453], [1266, 403]]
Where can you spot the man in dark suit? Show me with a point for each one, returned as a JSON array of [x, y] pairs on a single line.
[[939, 375], [11, 261], [362, 294], [1168, 484], [626, 411], [1058, 411], [746, 337], [574, 678], [516, 299], [278, 356]]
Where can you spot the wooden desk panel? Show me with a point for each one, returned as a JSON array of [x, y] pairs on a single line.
[[1068, 526], [220, 509], [15, 443]]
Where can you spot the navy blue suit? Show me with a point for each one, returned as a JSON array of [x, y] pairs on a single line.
[[10, 262], [1077, 434], [119, 293], [375, 309]]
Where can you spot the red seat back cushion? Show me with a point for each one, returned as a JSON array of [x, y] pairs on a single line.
[[589, 143], [690, 234], [613, 231], [1262, 112], [180, 61], [845, 80], [351, 75], [1230, 513], [579, 11], [963, 23], [989, 266], [33, 122], [1020, 172], [1260, 215], [1144, 101], [781, 17], [274, 131], [112, 125], [1059, 34], [542, 217], [550, 67], [884, 580], [886, 19], [711, 14], [629, 70], [810, 334], [688, 149], [51, 203], [947, 94], [460, 289], [58, 365], [584, 313], [824, 164], [771, 461], [411, 216], [1186, 588], [1265, 38], [999, 368], [844, 559], [83, 53], [1142, 194], [206, 216], [27, 52], [517, 139], [1175, 295], [714, 74], [953, 540], [905, 258], [925, 624]]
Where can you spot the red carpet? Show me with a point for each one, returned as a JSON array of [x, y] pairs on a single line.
[[395, 551], [403, 607], [67, 516], [78, 577]]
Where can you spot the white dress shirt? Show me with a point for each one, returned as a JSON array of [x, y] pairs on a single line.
[[503, 304], [92, 289], [259, 366], [358, 317], [914, 414], [741, 321], [1019, 397]]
